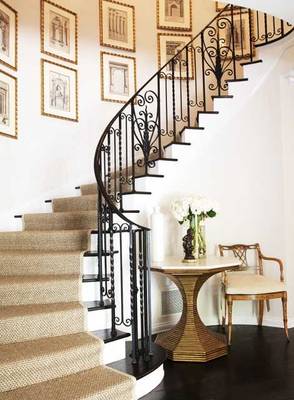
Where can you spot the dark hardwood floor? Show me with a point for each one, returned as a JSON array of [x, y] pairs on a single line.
[[260, 366]]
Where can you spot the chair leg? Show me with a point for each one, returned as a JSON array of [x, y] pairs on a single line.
[[285, 313], [224, 318], [260, 312], [230, 319]]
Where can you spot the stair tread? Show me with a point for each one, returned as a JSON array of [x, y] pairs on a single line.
[[12, 352], [50, 240], [100, 382], [36, 279], [33, 309]]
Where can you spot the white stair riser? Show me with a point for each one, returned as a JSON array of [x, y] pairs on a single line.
[[222, 104], [100, 319], [191, 135], [207, 119], [238, 89]]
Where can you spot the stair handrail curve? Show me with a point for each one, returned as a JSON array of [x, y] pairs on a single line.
[[155, 117]]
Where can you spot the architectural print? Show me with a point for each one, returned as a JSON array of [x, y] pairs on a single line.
[[241, 39], [59, 32], [59, 91], [174, 14], [8, 105], [118, 77], [8, 35], [170, 45], [117, 22], [174, 10]]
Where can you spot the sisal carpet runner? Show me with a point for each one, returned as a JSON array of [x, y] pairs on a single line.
[[45, 351]]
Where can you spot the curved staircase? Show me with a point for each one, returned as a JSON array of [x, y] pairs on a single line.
[[45, 349]]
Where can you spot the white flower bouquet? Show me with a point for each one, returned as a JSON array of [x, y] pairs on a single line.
[[194, 211]]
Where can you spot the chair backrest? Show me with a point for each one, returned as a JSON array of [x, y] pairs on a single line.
[[241, 251]]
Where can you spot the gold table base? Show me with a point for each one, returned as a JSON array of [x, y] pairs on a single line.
[[190, 339]]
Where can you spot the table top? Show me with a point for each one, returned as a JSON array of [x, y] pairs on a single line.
[[210, 264]]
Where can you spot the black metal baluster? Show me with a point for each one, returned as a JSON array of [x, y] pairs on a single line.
[[251, 35], [134, 303], [133, 145], [233, 41], [159, 114], [174, 99], [203, 73], [265, 28], [188, 85], [121, 275], [120, 159], [112, 277], [100, 236]]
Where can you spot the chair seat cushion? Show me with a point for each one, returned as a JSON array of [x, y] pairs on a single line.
[[247, 283]]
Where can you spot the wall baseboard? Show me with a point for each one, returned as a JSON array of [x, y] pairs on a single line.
[[165, 325]]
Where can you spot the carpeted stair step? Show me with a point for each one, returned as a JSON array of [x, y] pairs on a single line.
[[89, 189], [22, 290], [100, 383], [45, 240], [79, 203], [24, 262], [61, 220], [34, 321], [27, 363]]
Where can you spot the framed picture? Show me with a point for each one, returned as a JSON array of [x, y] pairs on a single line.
[[117, 25], [8, 105], [8, 35], [118, 76], [242, 23], [59, 91], [219, 6], [174, 14], [59, 32], [168, 46]]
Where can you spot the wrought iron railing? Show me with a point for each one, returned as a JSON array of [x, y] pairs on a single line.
[[155, 117]]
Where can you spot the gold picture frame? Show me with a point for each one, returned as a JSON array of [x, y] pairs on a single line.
[[168, 49], [59, 91], [242, 50], [8, 105], [117, 25], [9, 36], [176, 16], [118, 77], [59, 32]]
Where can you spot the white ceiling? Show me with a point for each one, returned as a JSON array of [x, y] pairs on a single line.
[[278, 8]]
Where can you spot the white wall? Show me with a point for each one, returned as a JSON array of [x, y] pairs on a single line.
[[52, 156]]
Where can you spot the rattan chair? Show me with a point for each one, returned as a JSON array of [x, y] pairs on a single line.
[[250, 284]]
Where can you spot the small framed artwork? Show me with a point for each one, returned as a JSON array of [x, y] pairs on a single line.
[[59, 91], [220, 6], [8, 35], [174, 15], [118, 76], [169, 45], [242, 26], [59, 32], [8, 105], [117, 25]]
